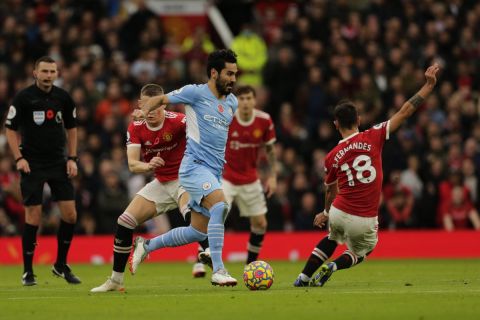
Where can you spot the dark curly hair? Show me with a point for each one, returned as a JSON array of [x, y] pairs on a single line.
[[346, 114], [217, 59]]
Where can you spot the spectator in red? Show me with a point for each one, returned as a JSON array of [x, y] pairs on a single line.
[[10, 186], [113, 104], [399, 202], [460, 212]]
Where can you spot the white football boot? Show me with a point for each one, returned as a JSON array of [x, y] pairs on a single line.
[[139, 254], [199, 270], [109, 285], [222, 278]]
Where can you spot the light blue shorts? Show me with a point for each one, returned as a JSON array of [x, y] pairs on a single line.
[[199, 181]]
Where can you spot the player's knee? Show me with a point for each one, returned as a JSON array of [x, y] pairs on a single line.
[[259, 225], [197, 235], [33, 215], [127, 220], [219, 209], [70, 217]]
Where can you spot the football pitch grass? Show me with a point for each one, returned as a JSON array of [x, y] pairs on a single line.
[[377, 289]]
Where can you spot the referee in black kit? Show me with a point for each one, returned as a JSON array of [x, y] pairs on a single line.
[[39, 114]]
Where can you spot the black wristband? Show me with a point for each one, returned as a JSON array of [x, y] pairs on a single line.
[[18, 159], [72, 158]]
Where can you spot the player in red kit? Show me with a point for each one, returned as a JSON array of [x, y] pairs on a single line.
[[353, 188], [160, 140], [250, 131]]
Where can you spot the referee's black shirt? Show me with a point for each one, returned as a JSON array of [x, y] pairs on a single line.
[[41, 117]]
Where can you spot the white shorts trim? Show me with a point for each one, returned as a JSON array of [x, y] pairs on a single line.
[[248, 197], [360, 234], [165, 195]]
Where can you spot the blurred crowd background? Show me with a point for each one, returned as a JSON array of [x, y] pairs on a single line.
[[302, 57]]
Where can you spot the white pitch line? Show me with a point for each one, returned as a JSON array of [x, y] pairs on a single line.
[[119, 295]]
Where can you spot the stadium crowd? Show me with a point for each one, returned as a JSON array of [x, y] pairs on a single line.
[[303, 57]]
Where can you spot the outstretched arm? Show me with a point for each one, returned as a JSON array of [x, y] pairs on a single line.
[[151, 103], [414, 102]]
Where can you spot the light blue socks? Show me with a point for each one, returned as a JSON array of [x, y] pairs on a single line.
[[175, 238], [216, 230]]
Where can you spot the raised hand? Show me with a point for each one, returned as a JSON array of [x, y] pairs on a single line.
[[431, 74]]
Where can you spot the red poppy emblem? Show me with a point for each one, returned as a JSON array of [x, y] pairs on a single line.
[[50, 114], [220, 108]]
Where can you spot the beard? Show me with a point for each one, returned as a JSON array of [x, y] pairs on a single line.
[[222, 87]]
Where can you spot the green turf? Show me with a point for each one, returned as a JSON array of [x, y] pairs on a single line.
[[402, 289]]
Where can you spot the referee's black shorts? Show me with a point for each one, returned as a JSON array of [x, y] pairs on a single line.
[[32, 185]]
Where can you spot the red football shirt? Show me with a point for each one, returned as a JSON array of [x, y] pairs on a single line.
[[167, 141], [356, 163], [244, 141], [460, 215]]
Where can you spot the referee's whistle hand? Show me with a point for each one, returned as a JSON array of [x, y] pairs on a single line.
[[23, 166], [72, 169]]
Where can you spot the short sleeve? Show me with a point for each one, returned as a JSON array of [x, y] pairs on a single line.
[[70, 113], [380, 132], [186, 94], [330, 172], [269, 136], [132, 136], [14, 117]]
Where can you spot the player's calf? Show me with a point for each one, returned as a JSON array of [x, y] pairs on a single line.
[[255, 242]]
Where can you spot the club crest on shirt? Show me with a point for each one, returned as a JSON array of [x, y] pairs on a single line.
[[39, 117], [167, 136], [206, 185], [148, 143], [235, 134], [220, 108], [257, 133]]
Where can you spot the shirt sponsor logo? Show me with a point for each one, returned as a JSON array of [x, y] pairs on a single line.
[[39, 117], [12, 112], [237, 145], [216, 122], [162, 149]]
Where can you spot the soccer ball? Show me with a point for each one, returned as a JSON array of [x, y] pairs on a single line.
[[258, 275]]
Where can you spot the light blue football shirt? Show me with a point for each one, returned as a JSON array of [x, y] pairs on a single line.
[[208, 119]]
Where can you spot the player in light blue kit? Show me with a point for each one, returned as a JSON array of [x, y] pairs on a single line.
[[209, 111]]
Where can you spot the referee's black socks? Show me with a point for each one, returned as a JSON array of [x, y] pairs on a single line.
[[64, 238], [29, 241]]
